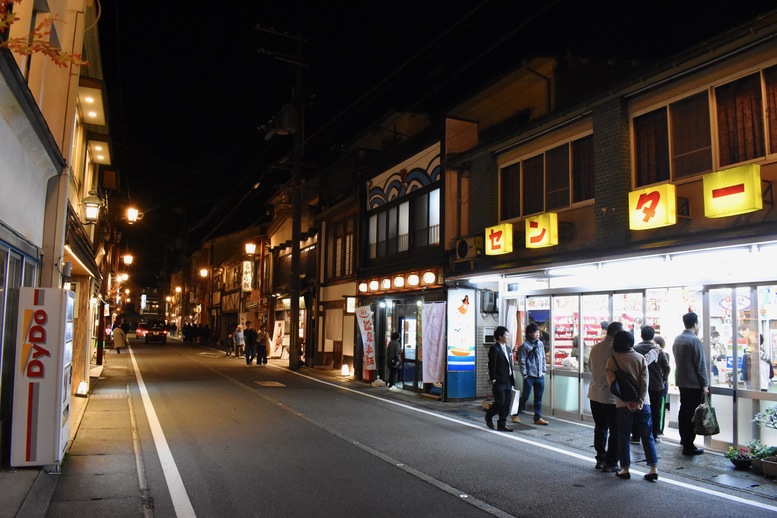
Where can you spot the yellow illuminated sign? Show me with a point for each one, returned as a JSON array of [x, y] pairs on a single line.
[[732, 191], [542, 230], [499, 239], [653, 207]]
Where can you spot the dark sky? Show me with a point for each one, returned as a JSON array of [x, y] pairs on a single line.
[[188, 90]]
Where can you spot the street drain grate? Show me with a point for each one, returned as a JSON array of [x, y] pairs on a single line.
[[269, 384]]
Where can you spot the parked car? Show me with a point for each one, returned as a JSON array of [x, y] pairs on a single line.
[[156, 333]]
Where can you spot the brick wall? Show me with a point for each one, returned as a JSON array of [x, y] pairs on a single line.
[[612, 177]]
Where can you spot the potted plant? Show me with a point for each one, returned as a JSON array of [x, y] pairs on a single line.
[[767, 418], [768, 457], [740, 458]]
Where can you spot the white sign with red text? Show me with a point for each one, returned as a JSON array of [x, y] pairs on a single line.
[[41, 411], [364, 317]]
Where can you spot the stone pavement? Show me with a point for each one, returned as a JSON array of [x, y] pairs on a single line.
[[102, 476]]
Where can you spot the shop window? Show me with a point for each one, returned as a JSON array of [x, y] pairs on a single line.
[[583, 168], [339, 254], [770, 82], [740, 120], [691, 138], [557, 177], [511, 190], [551, 180], [651, 143], [533, 185], [390, 230]]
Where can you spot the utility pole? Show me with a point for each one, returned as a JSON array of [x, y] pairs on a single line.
[[296, 189]]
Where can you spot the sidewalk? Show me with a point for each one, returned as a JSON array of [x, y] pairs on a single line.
[[100, 475]]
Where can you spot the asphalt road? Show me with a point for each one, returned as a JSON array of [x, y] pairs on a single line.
[[265, 441]]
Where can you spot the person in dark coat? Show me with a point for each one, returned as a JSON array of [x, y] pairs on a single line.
[[500, 374], [393, 358], [658, 371]]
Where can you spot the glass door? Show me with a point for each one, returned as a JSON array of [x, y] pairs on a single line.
[[596, 314], [567, 355], [538, 312]]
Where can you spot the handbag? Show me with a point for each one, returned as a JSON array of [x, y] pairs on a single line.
[[394, 362], [515, 400], [705, 422], [625, 386]]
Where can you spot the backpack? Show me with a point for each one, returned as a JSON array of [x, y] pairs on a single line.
[[624, 387]]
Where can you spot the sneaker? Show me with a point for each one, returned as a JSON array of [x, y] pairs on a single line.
[[540, 421], [609, 469], [657, 440], [599, 465], [515, 419]]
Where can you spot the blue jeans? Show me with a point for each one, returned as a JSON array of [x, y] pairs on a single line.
[[539, 388], [645, 424]]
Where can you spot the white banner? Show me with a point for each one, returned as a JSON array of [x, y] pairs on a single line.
[[364, 317], [433, 338], [276, 347]]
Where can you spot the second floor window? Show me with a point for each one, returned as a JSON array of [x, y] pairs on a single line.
[[340, 249], [675, 141], [411, 224], [551, 180]]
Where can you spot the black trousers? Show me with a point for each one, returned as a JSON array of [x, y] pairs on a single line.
[[689, 400], [261, 355], [502, 393], [605, 432]]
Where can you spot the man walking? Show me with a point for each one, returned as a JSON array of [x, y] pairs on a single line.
[[531, 360], [250, 336], [691, 379], [500, 373], [603, 403]]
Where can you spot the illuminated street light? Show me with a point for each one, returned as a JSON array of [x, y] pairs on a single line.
[[128, 259], [203, 272], [250, 248]]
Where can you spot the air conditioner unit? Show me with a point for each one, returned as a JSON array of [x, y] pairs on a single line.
[[469, 247]]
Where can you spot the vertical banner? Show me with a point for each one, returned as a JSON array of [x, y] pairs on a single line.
[[364, 317], [462, 331], [433, 339], [277, 339], [247, 277]]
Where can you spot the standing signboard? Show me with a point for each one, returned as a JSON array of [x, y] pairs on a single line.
[[44, 353]]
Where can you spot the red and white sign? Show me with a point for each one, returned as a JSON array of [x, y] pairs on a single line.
[[364, 317], [732, 191], [41, 412]]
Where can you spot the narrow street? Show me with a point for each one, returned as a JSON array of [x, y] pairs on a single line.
[[265, 441]]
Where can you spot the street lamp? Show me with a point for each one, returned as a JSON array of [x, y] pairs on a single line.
[[128, 259], [133, 215], [203, 272], [92, 203], [250, 248]]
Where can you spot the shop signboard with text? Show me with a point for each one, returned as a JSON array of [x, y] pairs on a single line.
[[499, 239], [542, 230], [44, 351], [732, 191], [653, 207]]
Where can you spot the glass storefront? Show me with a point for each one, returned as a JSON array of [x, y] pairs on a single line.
[[739, 333]]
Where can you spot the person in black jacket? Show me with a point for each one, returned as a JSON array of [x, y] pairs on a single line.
[[658, 371], [500, 375], [251, 336]]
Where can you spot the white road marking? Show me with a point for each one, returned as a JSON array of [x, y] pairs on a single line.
[[181, 503], [514, 437]]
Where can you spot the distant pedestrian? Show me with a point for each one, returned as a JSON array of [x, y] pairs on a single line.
[[531, 360], [691, 379], [262, 340], [240, 341], [500, 373], [603, 403], [250, 335], [393, 359], [119, 336], [229, 344], [625, 358]]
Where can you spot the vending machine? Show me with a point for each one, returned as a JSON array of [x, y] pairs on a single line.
[[40, 428]]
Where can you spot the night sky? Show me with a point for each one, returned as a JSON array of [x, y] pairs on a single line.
[[188, 90]]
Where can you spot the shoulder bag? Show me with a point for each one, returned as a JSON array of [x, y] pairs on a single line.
[[624, 387]]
